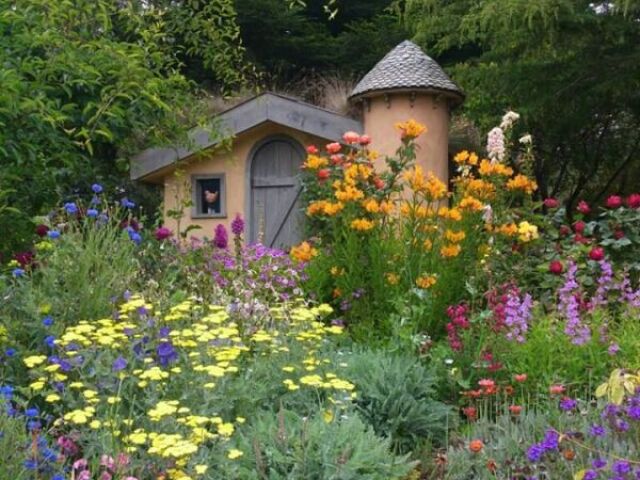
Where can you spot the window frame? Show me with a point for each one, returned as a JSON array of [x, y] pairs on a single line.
[[196, 195]]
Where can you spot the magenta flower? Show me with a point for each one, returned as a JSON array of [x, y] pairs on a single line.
[[162, 233], [237, 225], [221, 238]]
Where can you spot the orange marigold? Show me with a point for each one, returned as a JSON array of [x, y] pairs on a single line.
[[410, 129], [488, 168], [522, 182], [450, 250], [303, 252], [450, 214], [454, 237], [362, 224], [470, 203], [371, 205], [508, 229], [349, 193], [426, 281]]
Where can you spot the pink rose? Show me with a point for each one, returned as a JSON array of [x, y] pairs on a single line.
[[351, 137], [583, 207], [614, 201]]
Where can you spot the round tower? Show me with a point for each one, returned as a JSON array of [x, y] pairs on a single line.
[[405, 84]]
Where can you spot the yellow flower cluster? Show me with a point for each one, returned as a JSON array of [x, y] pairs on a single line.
[[303, 252], [411, 129], [362, 224], [455, 237], [466, 158], [488, 168], [448, 251], [432, 187], [522, 182], [323, 207], [527, 232], [143, 414], [315, 162], [470, 203], [426, 281]]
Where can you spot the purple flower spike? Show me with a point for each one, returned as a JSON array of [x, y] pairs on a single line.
[[237, 225], [221, 238]]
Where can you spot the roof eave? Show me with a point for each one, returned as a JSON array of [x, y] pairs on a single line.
[[456, 97]]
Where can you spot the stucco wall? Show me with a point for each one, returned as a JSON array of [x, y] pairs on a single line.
[[234, 165], [380, 118]]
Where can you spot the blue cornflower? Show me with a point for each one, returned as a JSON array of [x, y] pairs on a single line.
[[47, 321], [71, 208], [597, 430], [135, 237], [18, 272], [53, 234], [166, 353], [568, 404], [34, 425], [10, 352], [49, 455], [97, 188], [57, 477], [32, 412], [6, 391], [126, 203], [92, 212], [95, 200], [50, 341], [590, 475], [30, 464], [120, 363]]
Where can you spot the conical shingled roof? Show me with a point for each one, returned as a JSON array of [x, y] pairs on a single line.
[[403, 68]]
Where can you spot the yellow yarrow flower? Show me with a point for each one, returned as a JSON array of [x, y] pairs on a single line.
[[234, 453]]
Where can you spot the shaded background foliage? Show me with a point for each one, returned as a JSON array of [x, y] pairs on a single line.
[[85, 84]]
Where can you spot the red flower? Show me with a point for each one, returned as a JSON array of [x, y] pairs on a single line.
[[471, 413], [323, 174], [351, 137], [633, 200], [379, 183], [364, 140], [336, 159], [515, 409], [476, 446], [556, 389], [578, 227], [333, 147], [596, 254], [556, 267], [564, 230], [25, 259], [618, 234], [583, 207], [551, 203], [520, 377], [41, 230], [614, 201], [312, 149]]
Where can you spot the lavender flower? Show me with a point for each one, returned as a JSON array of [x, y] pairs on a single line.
[[568, 404], [605, 283], [613, 349], [597, 431], [569, 307], [119, 364], [517, 316]]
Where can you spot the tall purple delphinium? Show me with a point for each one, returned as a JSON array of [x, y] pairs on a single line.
[[517, 315], [569, 307], [221, 238]]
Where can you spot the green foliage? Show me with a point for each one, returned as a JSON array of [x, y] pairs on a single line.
[[396, 396], [87, 83], [75, 278], [288, 446]]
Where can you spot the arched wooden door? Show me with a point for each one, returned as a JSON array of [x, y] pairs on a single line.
[[275, 215]]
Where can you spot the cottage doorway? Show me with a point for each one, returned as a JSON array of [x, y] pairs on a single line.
[[275, 217]]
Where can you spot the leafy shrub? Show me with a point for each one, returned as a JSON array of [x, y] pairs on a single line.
[[396, 396], [291, 447]]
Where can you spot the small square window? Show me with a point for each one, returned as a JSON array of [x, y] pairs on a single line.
[[208, 196]]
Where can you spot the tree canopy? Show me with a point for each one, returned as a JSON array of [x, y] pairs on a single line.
[[572, 68]]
